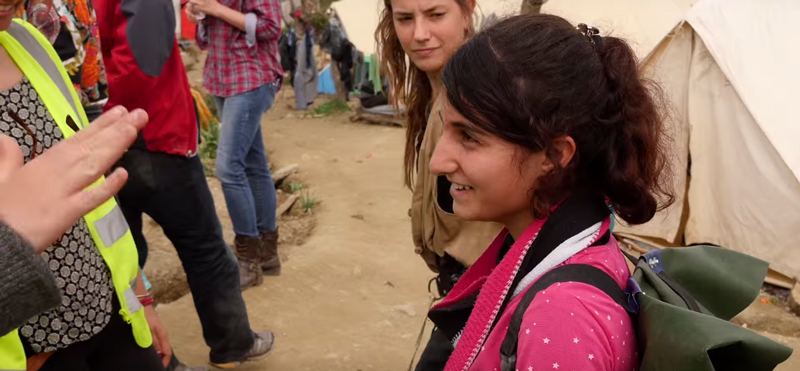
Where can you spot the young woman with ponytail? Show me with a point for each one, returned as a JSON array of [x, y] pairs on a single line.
[[548, 128]]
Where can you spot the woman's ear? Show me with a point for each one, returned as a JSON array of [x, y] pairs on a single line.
[[563, 151], [565, 148]]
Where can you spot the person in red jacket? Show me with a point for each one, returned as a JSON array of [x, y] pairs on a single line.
[[167, 181]]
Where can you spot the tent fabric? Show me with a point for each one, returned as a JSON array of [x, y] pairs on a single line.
[[728, 81], [743, 195], [669, 66], [642, 22], [766, 76]]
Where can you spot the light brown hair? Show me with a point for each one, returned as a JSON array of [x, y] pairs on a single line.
[[410, 85]]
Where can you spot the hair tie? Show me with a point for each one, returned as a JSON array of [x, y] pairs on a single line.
[[592, 33]]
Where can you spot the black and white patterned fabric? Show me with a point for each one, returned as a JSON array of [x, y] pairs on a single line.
[[80, 271]]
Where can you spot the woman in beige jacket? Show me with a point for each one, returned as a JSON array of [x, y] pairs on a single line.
[[427, 33]]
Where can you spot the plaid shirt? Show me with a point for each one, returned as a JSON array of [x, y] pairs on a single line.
[[240, 61]]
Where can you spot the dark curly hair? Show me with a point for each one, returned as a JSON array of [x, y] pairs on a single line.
[[533, 78]]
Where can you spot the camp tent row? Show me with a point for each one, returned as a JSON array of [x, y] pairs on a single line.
[[731, 74], [731, 70]]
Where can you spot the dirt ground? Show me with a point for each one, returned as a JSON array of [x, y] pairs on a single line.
[[353, 296]]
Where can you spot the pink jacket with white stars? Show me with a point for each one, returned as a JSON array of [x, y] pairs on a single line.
[[568, 326]]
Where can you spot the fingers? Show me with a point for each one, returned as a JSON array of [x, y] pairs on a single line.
[[10, 157], [89, 199], [100, 150], [120, 135], [166, 348], [157, 343], [106, 119]]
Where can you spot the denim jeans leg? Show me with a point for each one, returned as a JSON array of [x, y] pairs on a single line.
[[259, 176], [241, 119], [262, 185]]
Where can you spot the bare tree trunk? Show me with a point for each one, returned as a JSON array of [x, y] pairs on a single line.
[[337, 81], [531, 6]]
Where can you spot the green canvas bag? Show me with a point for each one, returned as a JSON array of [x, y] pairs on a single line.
[[682, 300]]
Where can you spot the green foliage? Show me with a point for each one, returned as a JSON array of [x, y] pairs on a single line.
[[296, 186], [308, 202], [334, 106], [208, 99], [208, 148]]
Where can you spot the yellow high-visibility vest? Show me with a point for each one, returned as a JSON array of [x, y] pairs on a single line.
[[37, 59]]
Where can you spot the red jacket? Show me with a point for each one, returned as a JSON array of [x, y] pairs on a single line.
[[145, 70]]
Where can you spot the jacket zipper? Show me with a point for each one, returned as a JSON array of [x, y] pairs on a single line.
[[496, 310]]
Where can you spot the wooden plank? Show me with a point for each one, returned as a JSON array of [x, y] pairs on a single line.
[[286, 205], [779, 279], [371, 118], [284, 172]]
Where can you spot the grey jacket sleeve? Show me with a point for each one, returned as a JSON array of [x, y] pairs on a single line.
[[27, 287]]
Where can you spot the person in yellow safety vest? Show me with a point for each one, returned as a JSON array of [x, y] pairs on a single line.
[[43, 198], [106, 320]]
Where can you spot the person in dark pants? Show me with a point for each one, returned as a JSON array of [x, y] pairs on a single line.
[[173, 191], [166, 180]]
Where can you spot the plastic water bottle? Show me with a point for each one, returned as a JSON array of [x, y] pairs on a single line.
[[200, 16]]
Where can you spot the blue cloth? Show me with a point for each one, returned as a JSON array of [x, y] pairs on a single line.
[[326, 85], [147, 284]]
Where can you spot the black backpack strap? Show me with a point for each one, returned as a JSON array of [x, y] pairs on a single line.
[[568, 273]]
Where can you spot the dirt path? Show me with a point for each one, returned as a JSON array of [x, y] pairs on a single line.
[[353, 297]]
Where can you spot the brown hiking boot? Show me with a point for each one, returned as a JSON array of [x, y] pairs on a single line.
[[248, 253], [270, 261]]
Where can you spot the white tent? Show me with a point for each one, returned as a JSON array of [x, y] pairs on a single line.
[[642, 22], [730, 69]]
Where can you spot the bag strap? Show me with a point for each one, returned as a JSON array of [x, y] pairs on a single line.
[[567, 273]]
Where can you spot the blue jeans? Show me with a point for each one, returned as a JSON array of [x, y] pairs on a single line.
[[242, 165]]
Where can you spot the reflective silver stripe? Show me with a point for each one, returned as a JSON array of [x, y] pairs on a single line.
[[112, 226], [130, 297], [35, 49]]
